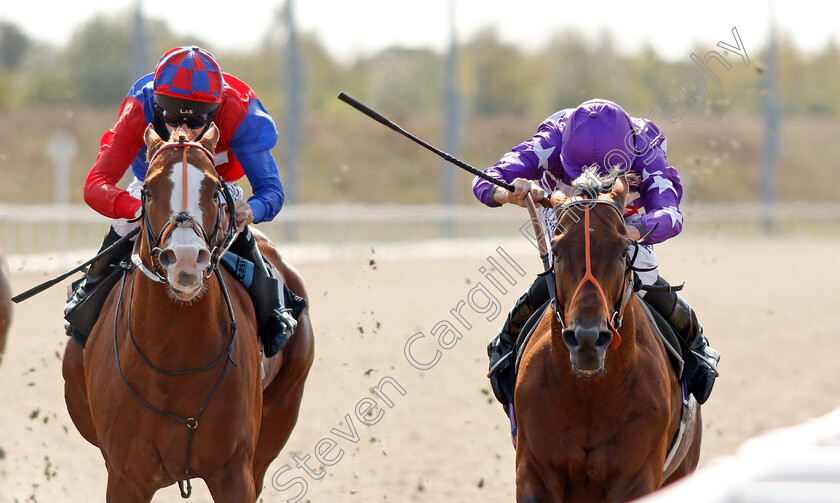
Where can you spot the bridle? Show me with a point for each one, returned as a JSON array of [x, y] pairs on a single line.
[[629, 284], [184, 219], [617, 315]]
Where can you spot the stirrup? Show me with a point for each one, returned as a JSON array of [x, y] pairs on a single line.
[[285, 317], [498, 363], [709, 356], [703, 351]]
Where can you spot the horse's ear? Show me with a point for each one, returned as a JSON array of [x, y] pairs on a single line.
[[153, 141], [210, 137], [558, 200], [620, 190]]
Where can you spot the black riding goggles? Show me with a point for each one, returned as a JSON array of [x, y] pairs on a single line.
[[196, 121]]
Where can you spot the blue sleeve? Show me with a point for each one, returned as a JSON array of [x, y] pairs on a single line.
[[144, 91], [252, 145]]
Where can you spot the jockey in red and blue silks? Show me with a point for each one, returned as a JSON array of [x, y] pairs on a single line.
[[246, 135], [186, 92], [598, 132]]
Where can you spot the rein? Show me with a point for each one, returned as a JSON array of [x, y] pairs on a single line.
[[158, 274], [190, 422]]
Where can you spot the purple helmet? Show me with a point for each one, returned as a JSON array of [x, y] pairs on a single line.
[[188, 80], [598, 132]]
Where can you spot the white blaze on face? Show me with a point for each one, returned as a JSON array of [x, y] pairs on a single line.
[[193, 179], [186, 251]]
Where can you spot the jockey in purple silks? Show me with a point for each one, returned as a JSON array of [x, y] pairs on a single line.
[[598, 132]]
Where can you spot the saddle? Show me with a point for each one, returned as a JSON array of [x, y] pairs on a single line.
[[259, 286], [84, 316]]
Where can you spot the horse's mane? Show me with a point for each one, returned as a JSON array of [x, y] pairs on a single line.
[[590, 183]]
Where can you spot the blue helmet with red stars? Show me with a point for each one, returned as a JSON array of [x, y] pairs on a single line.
[[188, 81]]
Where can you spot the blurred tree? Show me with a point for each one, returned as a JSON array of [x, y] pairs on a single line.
[[97, 60], [43, 80], [820, 93], [793, 77], [403, 81], [14, 45], [499, 78]]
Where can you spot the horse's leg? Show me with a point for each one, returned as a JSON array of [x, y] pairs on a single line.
[[122, 490], [75, 390], [281, 400], [641, 484], [234, 486], [530, 487]]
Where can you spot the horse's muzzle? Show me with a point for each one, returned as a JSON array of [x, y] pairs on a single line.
[[184, 266], [587, 348]]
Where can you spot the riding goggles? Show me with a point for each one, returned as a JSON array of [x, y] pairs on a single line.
[[196, 121]]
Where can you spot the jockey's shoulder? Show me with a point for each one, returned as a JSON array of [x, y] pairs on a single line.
[[644, 124], [559, 115], [555, 122], [143, 87], [650, 132], [237, 90]]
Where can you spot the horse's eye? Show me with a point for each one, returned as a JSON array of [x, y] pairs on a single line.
[[625, 253]]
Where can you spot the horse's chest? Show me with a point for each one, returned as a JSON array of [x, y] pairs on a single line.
[[597, 443]]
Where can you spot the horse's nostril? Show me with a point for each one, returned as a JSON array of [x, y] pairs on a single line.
[[604, 338], [167, 258], [570, 339], [203, 259]]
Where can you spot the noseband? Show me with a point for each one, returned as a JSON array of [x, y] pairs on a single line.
[[184, 219], [615, 318]]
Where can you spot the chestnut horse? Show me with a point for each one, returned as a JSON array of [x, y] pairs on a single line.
[[5, 301], [597, 405], [169, 385]]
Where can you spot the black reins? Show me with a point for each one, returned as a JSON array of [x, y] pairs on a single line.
[[190, 422], [154, 242]]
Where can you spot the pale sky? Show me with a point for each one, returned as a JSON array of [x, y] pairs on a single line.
[[351, 27]]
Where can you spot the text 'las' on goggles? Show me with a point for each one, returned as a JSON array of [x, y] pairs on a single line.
[[195, 121]]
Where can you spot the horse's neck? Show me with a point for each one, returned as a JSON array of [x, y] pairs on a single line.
[[201, 326]]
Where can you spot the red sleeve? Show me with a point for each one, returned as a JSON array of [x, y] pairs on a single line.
[[117, 149]]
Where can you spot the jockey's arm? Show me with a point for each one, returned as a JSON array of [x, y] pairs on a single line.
[[522, 187], [261, 172], [252, 144], [526, 161], [117, 149], [660, 194]]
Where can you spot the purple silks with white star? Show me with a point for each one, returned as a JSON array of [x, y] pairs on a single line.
[[657, 200]]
